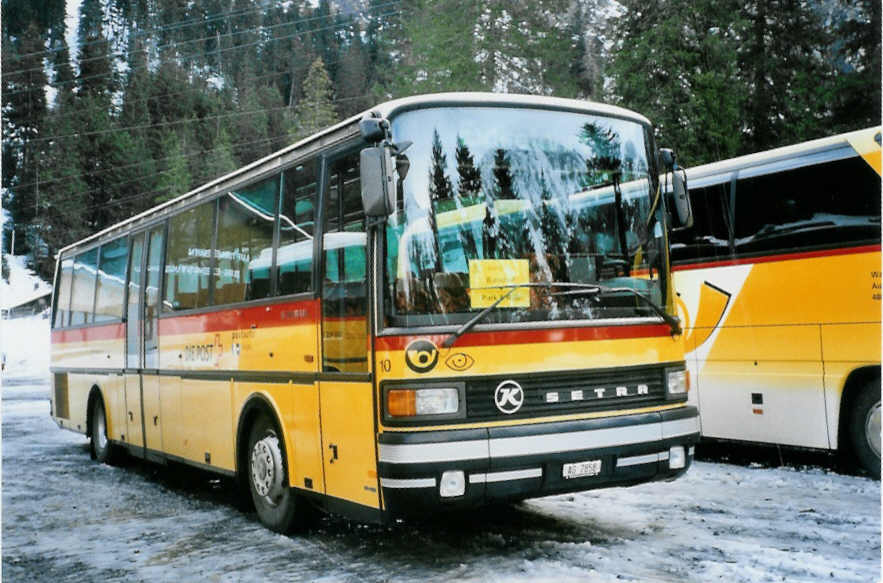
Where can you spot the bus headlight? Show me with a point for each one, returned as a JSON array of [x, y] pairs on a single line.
[[677, 382], [417, 402]]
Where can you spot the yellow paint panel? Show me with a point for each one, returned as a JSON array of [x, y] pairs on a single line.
[[134, 435], [204, 422], [152, 413], [536, 357], [865, 143], [767, 343], [289, 348], [304, 434], [172, 428], [348, 424], [851, 342], [820, 289], [92, 354]]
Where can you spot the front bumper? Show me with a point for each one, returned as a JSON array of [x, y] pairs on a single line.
[[526, 461]]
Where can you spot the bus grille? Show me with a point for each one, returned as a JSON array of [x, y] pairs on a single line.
[[571, 392]]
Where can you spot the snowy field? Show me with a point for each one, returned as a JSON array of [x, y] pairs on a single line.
[[67, 518]]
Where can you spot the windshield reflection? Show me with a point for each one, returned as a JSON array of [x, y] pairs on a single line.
[[496, 197]]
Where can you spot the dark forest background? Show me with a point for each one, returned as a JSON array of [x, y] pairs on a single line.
[[158, 96]]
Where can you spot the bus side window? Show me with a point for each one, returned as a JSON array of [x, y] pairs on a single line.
[[245, 242], [188, 258], [709, 236], [294, 258], [62, 304], [83, 292], [344, 289], [834, 204], [111, 280]]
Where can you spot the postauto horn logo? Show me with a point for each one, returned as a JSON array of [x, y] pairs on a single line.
[[421, 356]]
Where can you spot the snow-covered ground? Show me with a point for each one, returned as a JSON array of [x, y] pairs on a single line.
[[67, 518]]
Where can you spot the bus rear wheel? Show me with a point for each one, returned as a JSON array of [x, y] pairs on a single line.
[[864, 428], [101, 447], [275, 502]]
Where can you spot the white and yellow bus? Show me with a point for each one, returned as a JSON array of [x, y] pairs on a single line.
[[450, 300], [779, 281]]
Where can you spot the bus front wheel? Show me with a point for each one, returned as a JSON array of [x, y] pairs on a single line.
[[864, 428], [101, 447], [276, 504]]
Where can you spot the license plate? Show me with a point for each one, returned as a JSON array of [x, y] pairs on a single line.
[[581, 469]]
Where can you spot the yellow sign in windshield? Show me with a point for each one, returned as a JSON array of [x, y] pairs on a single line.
[[486, 274]]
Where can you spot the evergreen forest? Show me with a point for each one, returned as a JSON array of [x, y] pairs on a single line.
[[122, 104]]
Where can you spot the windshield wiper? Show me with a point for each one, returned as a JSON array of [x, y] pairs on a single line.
[[674, 323], [582, 288]]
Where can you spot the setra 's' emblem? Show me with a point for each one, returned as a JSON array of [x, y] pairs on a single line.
[[509, 397], [421, 355]]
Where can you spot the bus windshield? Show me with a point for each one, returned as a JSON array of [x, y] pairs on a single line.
[[493, 198]]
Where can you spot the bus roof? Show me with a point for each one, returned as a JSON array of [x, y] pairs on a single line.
[[860, 142], [343, 131]]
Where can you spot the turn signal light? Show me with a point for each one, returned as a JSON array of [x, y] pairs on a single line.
[[422, 402], [401, 403]]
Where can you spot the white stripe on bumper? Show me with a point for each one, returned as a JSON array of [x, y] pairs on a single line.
[[504, 476], [638, 460], [414, 483], [414, 453]]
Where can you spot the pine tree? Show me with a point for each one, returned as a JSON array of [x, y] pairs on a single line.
[[437, 46], [24, 113], [316, 110], [856, 97], [219, 159], [174, 179], [352, 82], [440, 187], [469, 183], [96, 76], [676, 62], [786, 79], [503, 176]]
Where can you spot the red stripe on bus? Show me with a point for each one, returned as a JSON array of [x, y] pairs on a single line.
[[267, 316], [115, 331], [532, 336], [780, 257]]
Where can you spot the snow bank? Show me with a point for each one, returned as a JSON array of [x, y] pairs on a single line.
[[24, 342]]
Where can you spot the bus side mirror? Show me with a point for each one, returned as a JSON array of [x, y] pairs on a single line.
[[378, 187], [678, 199], [681, 209]]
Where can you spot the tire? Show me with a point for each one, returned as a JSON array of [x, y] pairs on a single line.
[[276, 504], [864, 428], [100, 446]]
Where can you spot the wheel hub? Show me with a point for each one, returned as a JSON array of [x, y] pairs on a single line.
[[101, 429], [872, 428], [266, 468]]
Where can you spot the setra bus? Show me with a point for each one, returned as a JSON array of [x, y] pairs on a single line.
[[450, 300], [779, 280]]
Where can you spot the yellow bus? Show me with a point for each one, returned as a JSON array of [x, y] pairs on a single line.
[[779, 281], [450, 300]]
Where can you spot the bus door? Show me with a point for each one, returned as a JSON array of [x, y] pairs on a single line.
[[134, 347], [345, 388], [150, 380], [143, 427]]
